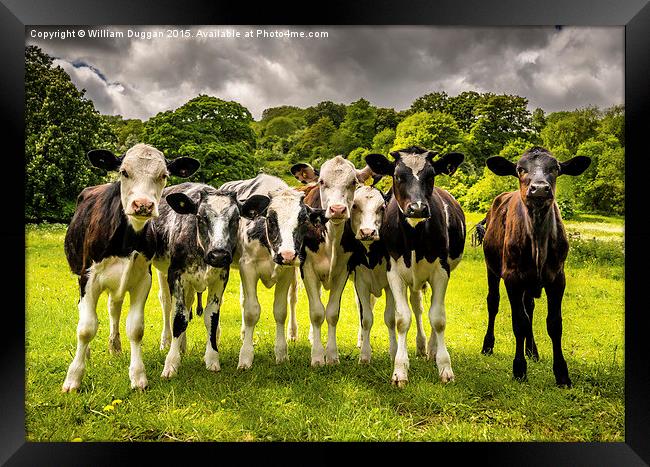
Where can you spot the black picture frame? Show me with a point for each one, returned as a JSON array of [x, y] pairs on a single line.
[[633, 14]]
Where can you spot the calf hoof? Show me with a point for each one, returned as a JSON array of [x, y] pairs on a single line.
[[563, 382], [292, 337], [139, 382], [399, 381], [561, 374], [332, 360], [364, 359], [532, 353], [165, 342], [422, 352], [213, 366], [70, 386], [244, 364], [317, 361], [169, 372], [488, 345], [519, 369], [446, 375], [114, 346], [281, 357]]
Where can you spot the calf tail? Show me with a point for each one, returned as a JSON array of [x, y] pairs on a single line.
[[478, 232]]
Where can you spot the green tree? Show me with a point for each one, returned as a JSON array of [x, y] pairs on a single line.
[[211, 130], [343, 141], [570, 129], [462, 106], [335, 112], [387, 118], [432, 102], [316, 135], [437, 131], [360, 121], [538, 120], [129, 132], [61, 126], [280, 127], [383, 141], [613, 123]]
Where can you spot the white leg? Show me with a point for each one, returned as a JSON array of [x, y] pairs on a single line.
[[389, 320], [165, 298], [418, 309], [402, 323], [280, 314], [211, 321], [359, 312], [86, 330], [316, 316], [241, 304], [135, 329], [190, 295], [179, 326], [332, 315], [292, 328], [251, 310], [114, 312], [365, 302], [437, 316]]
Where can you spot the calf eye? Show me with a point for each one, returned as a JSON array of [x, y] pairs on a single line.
[[124, 173]]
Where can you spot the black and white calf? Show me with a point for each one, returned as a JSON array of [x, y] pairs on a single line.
[[268, 251], [109, 244], [196, 235], [326, 262], [424, 233]]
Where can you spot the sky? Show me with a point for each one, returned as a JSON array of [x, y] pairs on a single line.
[[137, 77]]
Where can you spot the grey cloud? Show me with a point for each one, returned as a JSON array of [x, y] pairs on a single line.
[[390, 66]]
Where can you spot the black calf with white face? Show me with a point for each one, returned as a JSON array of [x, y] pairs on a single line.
[[537, 171], [217, 221], [414, 171]]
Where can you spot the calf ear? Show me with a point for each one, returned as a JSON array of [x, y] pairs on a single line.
[[181, 203], [183, 166], [448, 163], [104, 159], [254, 206], [501, 166], [304, 173], [316, 215], [380, 165], [575, 166]]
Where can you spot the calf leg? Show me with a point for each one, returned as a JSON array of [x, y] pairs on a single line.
[[86, 330], [365, 302], [292, 328], [389, 320], [520, 327], [438, 318], [251, 311], [418, 309], [280, 314], [316, 316], [360, 310], [211, 320], [165, 298], [529, 342], [114, 311], [332, 313], [135, 330], [181, 319], [241, 303], [493, 308], [403, 323], [554, 294]]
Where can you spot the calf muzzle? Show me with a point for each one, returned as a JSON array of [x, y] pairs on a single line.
[[218, 258]]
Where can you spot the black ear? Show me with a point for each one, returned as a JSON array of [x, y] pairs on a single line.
[[254, 206], [380, 165], [575, 166], [181, 203], [183, 166], [316, 215], [448, 163], [304, 172], [501, 166], [104, 159]]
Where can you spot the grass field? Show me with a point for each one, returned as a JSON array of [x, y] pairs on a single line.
[[347, 402]]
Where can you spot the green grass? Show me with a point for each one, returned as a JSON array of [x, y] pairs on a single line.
[[345, 402]]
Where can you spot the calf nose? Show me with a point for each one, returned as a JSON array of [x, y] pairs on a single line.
[[368, 233], [541, 190], [287, 256], [142, 206], [338, 210], [218, 258], [417, 209]]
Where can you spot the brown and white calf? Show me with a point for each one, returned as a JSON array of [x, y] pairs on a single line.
[[325, 261], [109, 244], [424, 234], [525, 244]]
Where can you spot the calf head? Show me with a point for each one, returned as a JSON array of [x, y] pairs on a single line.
[[537, 171], [414, 171], [367, 213], [288, 221], [337, 180], [217, 220], [143, 174]]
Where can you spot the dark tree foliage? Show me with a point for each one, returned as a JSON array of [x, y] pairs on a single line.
[[335, 112]]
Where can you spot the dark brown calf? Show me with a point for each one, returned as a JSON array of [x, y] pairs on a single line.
[[525, 244]]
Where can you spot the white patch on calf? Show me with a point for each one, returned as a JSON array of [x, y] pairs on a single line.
[[286, 205], [414, 162]]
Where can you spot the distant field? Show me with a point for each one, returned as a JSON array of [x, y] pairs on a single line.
[[347, 402]]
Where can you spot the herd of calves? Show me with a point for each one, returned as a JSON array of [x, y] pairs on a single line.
[[333, 226]]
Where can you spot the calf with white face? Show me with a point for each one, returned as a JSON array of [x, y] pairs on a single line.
[[197, 239], [109, 244], [325, 263], [269, 251]]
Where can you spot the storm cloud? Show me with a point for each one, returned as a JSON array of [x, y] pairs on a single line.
[[554, 68]]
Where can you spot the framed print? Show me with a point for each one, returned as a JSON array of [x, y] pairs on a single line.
[[391, 224]]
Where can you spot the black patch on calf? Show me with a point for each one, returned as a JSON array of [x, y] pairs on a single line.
[[180, 324], [214, 324]]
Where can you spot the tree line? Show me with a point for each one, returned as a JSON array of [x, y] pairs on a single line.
[[62, 125]]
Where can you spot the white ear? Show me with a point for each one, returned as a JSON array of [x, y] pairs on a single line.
[[364, 174]]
